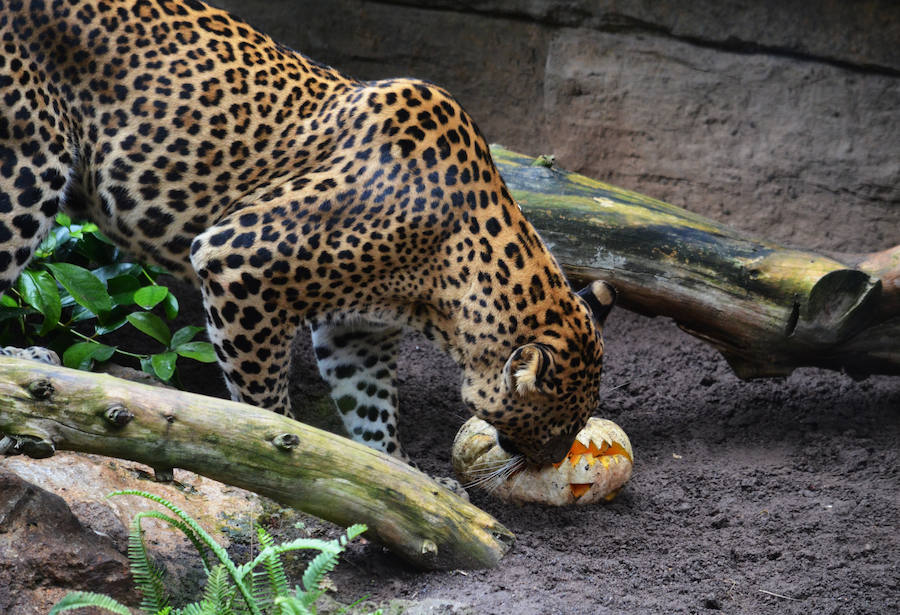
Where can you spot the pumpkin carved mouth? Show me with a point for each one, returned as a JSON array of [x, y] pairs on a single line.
[[592, 454], [596, 467]]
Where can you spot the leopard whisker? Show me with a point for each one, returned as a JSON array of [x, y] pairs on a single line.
[[497, 463], [518, 477], [502, 474]]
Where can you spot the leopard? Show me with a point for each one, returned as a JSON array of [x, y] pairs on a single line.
[[293, 195]]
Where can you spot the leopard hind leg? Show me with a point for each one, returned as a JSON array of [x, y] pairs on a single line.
[[251, 336], [358, 360]]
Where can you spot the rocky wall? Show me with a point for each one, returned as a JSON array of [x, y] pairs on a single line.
[[780, 118]]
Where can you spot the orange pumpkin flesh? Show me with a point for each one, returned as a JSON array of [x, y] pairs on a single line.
[[579, 450], [579, 489], [593, 454], [576, 479]]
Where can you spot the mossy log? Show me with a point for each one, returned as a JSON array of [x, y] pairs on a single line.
[[767, 308], [44, 408]]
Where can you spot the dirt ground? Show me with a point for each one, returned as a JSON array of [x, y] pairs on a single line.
[[747, 497]]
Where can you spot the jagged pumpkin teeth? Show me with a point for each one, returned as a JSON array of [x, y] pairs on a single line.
[[580, 489], [578, 478]]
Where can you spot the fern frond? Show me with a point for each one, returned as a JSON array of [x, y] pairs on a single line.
[[218, 594], [265, 539], [325, 562], [213, 546], [292, 606], [278, 583], [80, 600], [293, 545], [187, 531], [316, 570], [257, 580], [258, 584], [353, 532], [148, 577]]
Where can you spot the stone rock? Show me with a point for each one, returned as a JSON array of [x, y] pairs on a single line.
[[45, 552], [863, 33], [766, 143], [84, 481], [76, 486]]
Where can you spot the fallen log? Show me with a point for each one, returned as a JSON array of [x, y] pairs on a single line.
[[767, 308], [44, 408]]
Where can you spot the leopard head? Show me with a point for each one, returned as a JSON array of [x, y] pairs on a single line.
[[550, 386]]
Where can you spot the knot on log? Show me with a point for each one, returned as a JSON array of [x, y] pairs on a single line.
[[428, 548], [506, 538], [41, 389], [118, 415], [286, 441]]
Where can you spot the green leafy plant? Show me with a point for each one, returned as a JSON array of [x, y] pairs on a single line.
[[259, 587], [78, 288]]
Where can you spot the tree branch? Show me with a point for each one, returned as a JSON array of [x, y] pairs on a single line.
[[47, 408], [767, 308]]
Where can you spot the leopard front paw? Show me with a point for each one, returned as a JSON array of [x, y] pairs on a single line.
[[451, 484]]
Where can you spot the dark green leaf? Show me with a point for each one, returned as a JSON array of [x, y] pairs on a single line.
[[170, 305], [81, 313], [184, 335], [110, 321], [152, 325], [79, 356], [58, 235], [82, 354], [93, 250], [10, 312], [39, 290], [164, 365], [107, 272], [83, 285], [99, 235], [115, 321], [199, 351], [155, 270], [147, 366], [149, 296], [103, 352], [122, 288]]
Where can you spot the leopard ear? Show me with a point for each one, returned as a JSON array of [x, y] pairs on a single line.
[[600, 297], [527, 367]]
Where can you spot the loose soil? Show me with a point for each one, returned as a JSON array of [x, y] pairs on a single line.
[[747, 497]]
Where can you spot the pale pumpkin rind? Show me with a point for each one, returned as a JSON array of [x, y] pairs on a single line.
[[597, 466]]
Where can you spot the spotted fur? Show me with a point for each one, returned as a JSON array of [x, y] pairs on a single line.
[[292, 193], [32, 353]]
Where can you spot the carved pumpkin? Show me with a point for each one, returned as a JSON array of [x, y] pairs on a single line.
[[594, 470]]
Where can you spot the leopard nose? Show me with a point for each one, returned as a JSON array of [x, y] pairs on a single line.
[[507, 444], [555, 450]]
